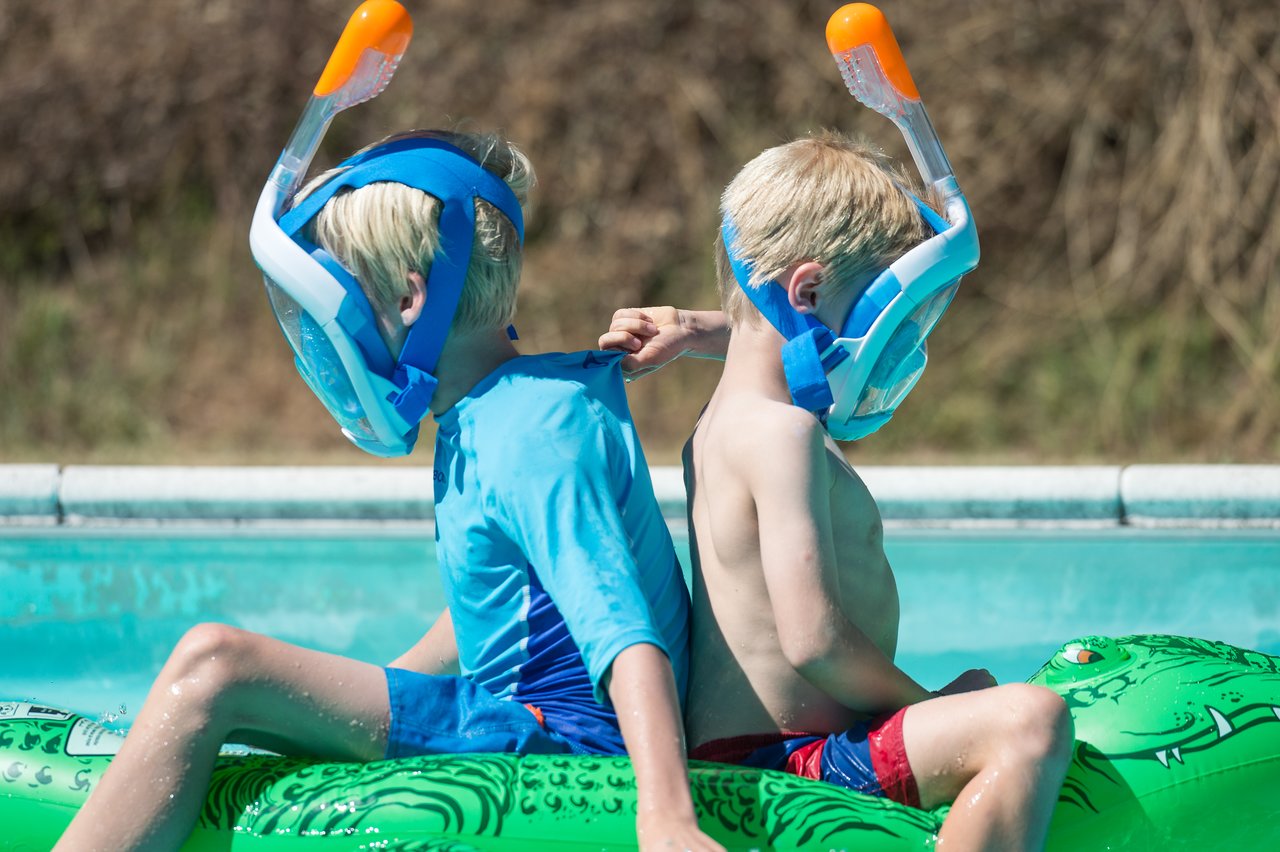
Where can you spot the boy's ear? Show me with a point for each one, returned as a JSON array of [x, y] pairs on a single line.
[[412, 301], [803, 282]]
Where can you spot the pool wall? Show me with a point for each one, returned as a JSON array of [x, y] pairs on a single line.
[[1197, 496]]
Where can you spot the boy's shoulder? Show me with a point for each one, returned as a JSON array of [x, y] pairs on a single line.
[[796, 441], [758, 422], [560, 373], [556, 401], [591, 370], [552, 380], [768, 440]]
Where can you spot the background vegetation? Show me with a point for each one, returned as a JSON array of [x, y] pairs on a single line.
[[1122, 158]]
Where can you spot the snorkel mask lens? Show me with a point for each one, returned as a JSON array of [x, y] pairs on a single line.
[[320, 365], [335, 352], [904, 358], [928, 276]]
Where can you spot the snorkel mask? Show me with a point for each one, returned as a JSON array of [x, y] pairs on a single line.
[[855, 379], [376, 398]]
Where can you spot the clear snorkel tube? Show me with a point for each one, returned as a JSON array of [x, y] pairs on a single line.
[[876, 73], [359, 68], [884, 337]]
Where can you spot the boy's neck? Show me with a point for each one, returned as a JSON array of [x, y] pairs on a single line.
[[467, 359], [754, 358], [754, 361]]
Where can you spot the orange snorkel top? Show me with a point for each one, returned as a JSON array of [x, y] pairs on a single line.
[[380, 25], [875, 72], [859, 24], [359, 68]]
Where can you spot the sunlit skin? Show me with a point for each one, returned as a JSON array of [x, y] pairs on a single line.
[[643, 692], [795, 610], [222, 684]]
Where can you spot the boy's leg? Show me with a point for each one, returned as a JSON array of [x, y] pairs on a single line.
[[221, 681], [999, 754]]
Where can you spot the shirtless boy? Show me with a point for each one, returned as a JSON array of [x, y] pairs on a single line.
[[795, 618]]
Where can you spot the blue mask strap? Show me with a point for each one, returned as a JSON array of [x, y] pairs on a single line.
[[456, 180], [411, 162], [936, 222], [807, 338], [885, 287]]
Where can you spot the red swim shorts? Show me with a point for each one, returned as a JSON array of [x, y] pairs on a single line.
[[870, 757]]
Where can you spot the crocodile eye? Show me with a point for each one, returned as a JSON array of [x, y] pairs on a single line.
[[1080, 655]]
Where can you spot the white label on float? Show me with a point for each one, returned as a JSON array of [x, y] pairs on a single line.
[[27, 710], [89, 739]]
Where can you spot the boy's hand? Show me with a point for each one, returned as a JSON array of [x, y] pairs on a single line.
[[657, 336], [659, 832], [654, 336], [970, 681]]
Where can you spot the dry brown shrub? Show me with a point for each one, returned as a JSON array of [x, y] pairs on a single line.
[[1121, 159]]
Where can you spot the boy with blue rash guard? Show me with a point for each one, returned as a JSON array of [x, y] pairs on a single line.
[[567, 622], [795, 607], [555, 557]]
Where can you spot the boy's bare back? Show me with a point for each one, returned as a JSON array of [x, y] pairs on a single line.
[[781, 487]]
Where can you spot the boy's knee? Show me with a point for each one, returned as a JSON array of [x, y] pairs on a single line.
[[205, 659], [1040, 726]]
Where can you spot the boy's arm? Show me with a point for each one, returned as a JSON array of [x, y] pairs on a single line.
[[436, 653], [657, 336], [566, 518], [791, 486], [643, 693]]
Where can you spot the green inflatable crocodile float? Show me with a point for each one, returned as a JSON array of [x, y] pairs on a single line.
[[1178, 747]]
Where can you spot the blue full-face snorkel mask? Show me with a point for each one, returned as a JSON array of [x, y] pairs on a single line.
[[326, 316], [378, 400], [854, 379]]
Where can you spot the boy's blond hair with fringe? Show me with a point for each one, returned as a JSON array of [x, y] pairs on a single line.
[[383, 231], [824, 198]]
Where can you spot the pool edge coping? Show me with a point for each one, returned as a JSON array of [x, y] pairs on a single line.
[[1085, 496]]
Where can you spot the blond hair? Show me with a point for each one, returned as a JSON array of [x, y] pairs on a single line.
[[824, 198], [383, 231]]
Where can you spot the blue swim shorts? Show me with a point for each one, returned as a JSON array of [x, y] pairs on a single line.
[[870, 757], [433, 714]]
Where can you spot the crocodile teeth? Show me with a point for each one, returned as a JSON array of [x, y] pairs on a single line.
[[1276, 710], [1224, 726], [1177, 753], [1163, 756]]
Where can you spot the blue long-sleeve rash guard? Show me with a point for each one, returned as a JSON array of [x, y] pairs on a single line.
[[552, 548]]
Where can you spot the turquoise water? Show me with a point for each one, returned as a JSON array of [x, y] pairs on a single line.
[[87, 618]]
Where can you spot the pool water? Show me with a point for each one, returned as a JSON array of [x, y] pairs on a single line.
[[88, 617]]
